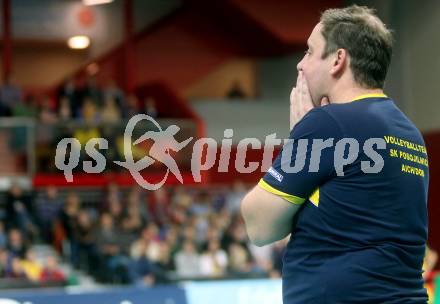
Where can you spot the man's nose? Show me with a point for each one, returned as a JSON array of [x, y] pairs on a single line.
[[299, 66]]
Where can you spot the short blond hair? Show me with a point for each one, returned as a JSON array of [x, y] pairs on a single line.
[[366, 38]]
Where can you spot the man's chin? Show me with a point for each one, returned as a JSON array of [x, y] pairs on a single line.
[[316, 104], [317, 101]]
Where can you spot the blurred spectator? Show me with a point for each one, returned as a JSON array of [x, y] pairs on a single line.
[[150, 272], [112, 91], [187, 261], [239, 260], [236, 91], [150, 107], [105, 237], [203, 229], [68, 218], [10, 96], [213, 232], [111, 192], [214, 261], [131, 107], [17, 271], [85, 236], [181, 197], [142, 269], [17, 246], [148, 255], [3, 238], [263, 257], [178, 214], [148, 244], [132, 222], [20, 211], [201, 205], [31, 267], [235, 196], [70, 97], [222, 220], [92, 91], [159, 206], [115, 264], [51, 271], [236, 233], [89, 112], [110, 113], [69, 214], [172, 239], [5, 263], [48, 208], [115, 210], [64, 110], [189, 234], [165, 261], [136, 199], [180, 203], [45, 133]]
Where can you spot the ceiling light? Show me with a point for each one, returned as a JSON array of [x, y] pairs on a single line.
[[78, 42], [96, 2]]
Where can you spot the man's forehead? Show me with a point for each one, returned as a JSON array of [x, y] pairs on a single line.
[[315, 35]]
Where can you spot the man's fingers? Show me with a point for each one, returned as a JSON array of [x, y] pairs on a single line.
[[303, 90], [300, 100], [303, 84], [293, 95]]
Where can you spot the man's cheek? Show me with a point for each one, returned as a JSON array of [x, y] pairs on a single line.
[[315, 96]]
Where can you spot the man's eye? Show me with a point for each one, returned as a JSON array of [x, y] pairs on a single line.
[[307, 52]]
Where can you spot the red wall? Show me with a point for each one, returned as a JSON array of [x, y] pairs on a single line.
[[433, 146], [290, 21]]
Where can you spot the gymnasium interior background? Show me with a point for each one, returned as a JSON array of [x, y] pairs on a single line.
[[205, 66]]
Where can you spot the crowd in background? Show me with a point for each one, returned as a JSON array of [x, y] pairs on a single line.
[[135, 236], [19, 231], [87, 102], [82, 110]]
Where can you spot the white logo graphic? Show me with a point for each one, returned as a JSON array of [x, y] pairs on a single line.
[[164, 141], [8, 301], [275, 174]]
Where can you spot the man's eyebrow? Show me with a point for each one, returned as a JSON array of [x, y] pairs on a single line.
[[309, 44]]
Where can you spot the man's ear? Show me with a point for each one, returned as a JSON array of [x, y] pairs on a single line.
[[340, 61]]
